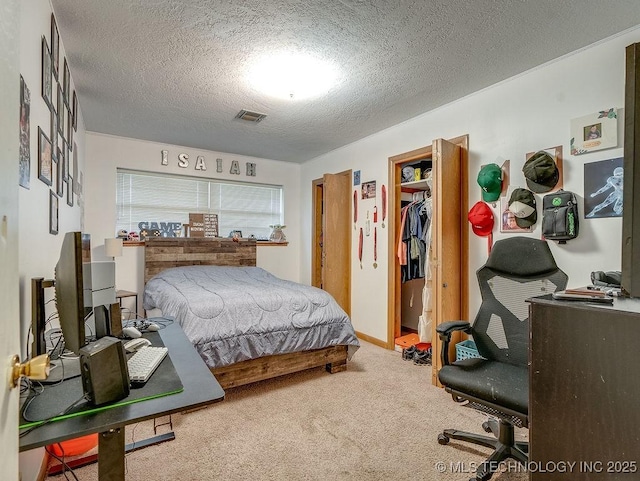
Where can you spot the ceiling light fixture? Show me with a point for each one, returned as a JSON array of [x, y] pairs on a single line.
[[293, 76]]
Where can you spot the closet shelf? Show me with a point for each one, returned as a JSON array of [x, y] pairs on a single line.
[[414, 185]]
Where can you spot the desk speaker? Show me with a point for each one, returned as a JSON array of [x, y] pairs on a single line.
[[105, 377]]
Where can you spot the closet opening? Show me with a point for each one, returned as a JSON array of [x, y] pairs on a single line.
[[428, 271]]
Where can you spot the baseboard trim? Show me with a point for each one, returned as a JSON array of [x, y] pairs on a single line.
[[373, 340]]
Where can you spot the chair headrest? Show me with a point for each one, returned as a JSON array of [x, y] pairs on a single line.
[[522, 256]]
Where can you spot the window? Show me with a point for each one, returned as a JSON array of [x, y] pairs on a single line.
[[152, 197]]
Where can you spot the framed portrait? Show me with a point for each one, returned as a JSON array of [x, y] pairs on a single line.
[[60, 111], [54, 130], [69, 127], [593, 132], [66, 85], [508, 220], [60, 173], [45, 159], [603, 182], [356, 177], [25, 136], [74, 112], [46, 73], [55, 46], [69, 192], [73, 171], [369, 190], [66, 159], [53, 213]]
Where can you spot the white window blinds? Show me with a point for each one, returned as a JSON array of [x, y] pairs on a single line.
[[152, 197]]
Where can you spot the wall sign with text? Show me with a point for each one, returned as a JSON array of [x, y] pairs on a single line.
[[200, 163]]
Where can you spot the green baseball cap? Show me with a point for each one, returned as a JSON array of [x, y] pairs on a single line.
[[490, 180]]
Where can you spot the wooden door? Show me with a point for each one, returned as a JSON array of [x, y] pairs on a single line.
[[332, 245], [446, 244]]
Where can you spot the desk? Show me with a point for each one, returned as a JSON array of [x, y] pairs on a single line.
[[200, 389], [584, 389]]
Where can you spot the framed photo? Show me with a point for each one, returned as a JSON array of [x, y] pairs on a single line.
[[603, 188], [69, 192], [60, 111], [73, 171], [25, 136], [45, 161], [55, 46], [46, 73], [54, 131], [53, 213], [66, 159], [369, 190], [74, 112], [66, 86], [356, 177], [594, 132], [59, 173], [508, 220], [69, 128]]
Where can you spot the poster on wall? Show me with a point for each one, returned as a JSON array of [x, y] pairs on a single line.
[[603, 183], [369, 190], [25, 135]]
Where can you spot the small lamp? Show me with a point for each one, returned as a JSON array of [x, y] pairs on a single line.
[[113, 247]]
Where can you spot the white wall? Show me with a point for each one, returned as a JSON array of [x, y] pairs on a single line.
[[106, 153], [39, 250], [523, 114]]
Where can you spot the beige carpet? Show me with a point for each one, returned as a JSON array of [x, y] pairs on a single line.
[[377, 421]]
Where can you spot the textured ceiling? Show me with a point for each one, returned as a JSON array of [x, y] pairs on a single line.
[[174, 71]]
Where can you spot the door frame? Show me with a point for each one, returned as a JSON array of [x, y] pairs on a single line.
[[394, 320]]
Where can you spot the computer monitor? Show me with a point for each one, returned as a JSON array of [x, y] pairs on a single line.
[[69, 288]]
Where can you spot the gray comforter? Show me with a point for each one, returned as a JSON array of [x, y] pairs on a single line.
[[232, 314]]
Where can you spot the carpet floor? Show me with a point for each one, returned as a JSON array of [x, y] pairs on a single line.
[[379, 420]]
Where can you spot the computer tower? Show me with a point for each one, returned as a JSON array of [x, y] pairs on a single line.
[[103, 365]]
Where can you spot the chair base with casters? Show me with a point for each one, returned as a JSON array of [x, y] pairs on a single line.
[[497, 383], [503, 443]]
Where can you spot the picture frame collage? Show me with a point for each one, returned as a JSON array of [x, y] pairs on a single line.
[[57, 151]]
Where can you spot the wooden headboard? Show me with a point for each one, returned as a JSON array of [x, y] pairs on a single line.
[[162, 253]]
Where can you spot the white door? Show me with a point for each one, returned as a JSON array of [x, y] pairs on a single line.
[[9, 279]]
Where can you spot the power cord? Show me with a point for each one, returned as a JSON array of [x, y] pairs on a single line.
[[65, 467], [48, 420]]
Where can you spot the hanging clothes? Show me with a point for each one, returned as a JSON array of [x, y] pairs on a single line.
[[414, 237]]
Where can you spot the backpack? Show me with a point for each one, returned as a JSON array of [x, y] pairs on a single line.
[[560, 216]]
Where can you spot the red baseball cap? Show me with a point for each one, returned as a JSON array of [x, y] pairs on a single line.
[[481, 218]]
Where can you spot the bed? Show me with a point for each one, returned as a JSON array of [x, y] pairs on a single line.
[[246, 324]]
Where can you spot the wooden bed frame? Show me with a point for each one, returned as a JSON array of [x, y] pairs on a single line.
[[164, 253]]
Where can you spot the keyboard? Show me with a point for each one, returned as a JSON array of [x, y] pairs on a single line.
[[144, 362]]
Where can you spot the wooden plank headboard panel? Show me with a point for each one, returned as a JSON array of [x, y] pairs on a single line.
[[163, 253]]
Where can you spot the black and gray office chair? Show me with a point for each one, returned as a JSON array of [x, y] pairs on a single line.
[[517, 269]]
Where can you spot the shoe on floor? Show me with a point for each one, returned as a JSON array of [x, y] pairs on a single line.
[[422, 358], [408, 353]]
